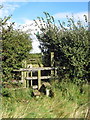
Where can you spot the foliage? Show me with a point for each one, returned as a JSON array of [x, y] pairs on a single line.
[[16, 47], [69, 42]]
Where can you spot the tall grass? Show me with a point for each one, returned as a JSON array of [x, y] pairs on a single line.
[[68, 102]]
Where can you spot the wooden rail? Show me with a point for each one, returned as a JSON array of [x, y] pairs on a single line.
[[34, 78], [25, 72], [35, 69]]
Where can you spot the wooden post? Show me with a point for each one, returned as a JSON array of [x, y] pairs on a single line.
[[24, 74], [39, 79], [47, 92], [52, 59], [52, 63], [31, 80], [55, 72]]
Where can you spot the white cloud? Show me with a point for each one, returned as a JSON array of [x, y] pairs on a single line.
[[62, 15], [7, 9], [29, 26], [35, 45]]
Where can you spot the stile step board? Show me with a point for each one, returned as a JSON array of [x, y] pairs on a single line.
[[46, 84], [36, 93], [45, 77], [31, 78], [34, 78], [35, 87]]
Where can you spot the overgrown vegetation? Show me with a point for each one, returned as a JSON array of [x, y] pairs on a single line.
[[16, 46], [70, 43], [66, 103]]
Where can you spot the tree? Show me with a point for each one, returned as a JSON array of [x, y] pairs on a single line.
[[16, 47], [71, 46]]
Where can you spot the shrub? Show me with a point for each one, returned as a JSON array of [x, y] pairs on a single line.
[[70, 43], [16, 47]]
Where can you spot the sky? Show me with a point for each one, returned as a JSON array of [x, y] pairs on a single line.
[[23, 13]]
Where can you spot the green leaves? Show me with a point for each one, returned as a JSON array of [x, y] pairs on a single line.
[[69, 42], [16, 47]]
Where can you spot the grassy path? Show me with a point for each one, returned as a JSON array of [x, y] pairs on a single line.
[[21, 105]]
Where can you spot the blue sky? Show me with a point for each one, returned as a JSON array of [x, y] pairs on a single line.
[[30, 10], [25, 12]]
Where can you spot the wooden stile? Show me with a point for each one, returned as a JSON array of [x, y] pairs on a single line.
[[39, 79]]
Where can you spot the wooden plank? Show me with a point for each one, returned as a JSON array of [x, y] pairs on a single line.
[[46, 84], [31, 78], [35, 87], [35, 69], [34, 78], [36, 93], [45, 77]]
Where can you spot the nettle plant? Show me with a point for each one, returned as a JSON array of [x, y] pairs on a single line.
[[69, 42]]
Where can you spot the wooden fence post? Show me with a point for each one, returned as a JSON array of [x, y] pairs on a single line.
[[24, 74], [39, 79], [52, 63], [31, 80], [55, 72]]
